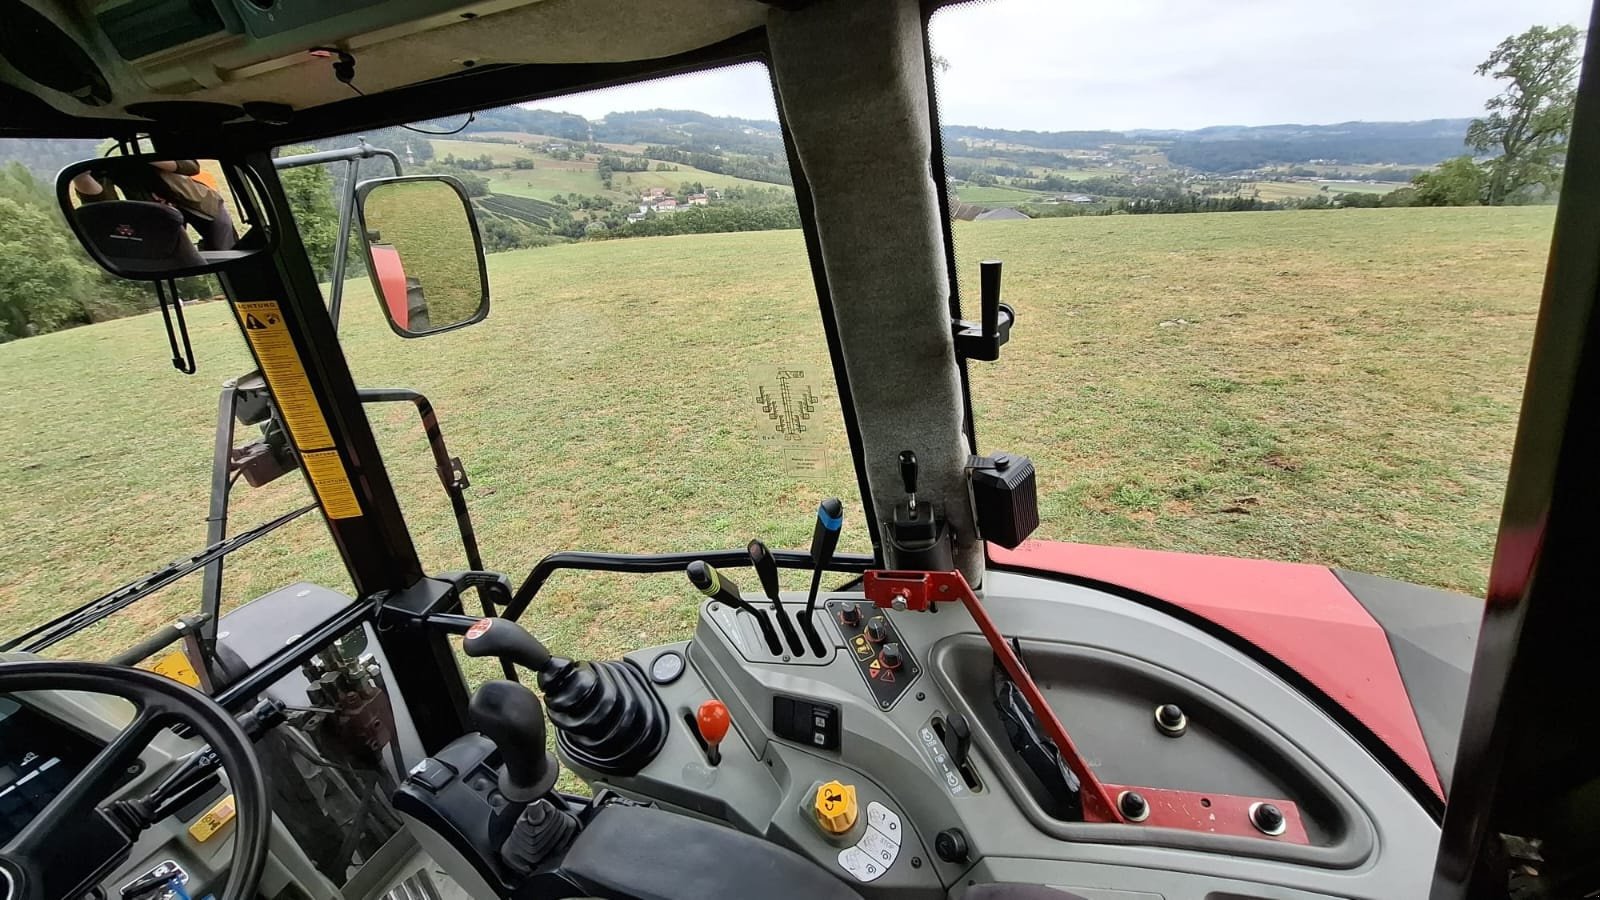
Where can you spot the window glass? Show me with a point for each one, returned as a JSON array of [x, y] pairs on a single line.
[[109, 449], [652, 376], [1275, 279]]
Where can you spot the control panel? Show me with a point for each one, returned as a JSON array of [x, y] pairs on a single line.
[[872, 844], [881, 654]]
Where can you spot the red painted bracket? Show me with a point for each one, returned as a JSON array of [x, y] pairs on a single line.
[[1185, 810]]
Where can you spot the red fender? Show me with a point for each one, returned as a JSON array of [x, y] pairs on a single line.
[[392, 279]]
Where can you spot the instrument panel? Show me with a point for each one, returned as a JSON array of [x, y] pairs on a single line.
[[39, 756]]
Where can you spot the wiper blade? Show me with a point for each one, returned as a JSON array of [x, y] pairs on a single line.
[[73, 621]]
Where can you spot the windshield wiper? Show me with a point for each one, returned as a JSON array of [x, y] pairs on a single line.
[[73, 621]]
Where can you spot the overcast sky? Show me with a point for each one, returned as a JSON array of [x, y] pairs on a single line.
[[1087, 64]]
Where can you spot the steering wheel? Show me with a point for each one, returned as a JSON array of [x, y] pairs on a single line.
[[75, 841]]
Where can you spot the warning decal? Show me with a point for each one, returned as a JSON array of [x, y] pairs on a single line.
[[286, 375], [264, 327], [333, 488]]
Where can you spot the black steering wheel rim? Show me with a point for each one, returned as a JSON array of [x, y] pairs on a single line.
[[159, 702]]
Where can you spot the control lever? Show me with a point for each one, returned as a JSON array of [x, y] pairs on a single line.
[[509, 714], [824, 540], [908, 478], [766, 567], [989, 296], [505, 639], [957, 738], [712, 721], [707, 580]]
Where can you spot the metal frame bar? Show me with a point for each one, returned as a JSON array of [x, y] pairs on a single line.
[[1525, 764], [376, 545], [351, 157]]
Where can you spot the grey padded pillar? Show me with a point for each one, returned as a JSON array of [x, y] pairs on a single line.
[[852, 83]]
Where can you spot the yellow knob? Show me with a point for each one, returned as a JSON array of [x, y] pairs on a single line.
[[836, 807]]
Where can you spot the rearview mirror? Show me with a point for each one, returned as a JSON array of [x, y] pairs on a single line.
[[152, 217], [424, 253]]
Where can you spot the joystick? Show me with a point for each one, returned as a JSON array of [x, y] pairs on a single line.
[[607, 716], [510, 715]]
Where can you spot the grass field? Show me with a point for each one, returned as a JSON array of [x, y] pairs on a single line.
[[1332, 387]]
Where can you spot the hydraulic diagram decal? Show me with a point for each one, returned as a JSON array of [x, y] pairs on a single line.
[[286, 375], [786, 409]]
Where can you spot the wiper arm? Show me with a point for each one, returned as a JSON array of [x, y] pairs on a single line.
[[73, 621]]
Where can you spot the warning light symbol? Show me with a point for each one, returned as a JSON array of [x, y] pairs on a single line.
[[253, 323], [888, 677], [874, 670], [862, 646]]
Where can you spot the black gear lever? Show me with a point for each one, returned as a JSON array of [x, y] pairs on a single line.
[[707, 580], [767, 570], [824, 540], [510, 715], [504, 639]]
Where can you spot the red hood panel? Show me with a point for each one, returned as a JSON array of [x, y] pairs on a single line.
[[1300, 614]]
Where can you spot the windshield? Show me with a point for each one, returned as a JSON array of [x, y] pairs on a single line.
[[652, 377], [1272, 300]]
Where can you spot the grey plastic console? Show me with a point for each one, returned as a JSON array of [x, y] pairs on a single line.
[[1104, 662]]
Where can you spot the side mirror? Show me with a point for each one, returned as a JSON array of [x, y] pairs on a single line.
[[152, 217], [424, 253]]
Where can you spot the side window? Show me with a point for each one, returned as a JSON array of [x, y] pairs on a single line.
[[1274, 303]]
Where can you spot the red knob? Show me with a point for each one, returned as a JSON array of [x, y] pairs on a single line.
[[712, 720]]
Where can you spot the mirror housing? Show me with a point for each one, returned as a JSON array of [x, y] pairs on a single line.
[[151, 217], [424, 253]]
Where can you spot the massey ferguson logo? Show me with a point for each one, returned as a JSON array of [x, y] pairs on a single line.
[[126, 232]]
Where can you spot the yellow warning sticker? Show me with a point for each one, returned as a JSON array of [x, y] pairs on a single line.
[[333, 487], [176, 665], [280, 363], [209, 824]]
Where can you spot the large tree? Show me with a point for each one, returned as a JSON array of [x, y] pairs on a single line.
[[1529, 120]]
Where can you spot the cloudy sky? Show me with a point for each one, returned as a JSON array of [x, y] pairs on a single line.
[[1087, 64]]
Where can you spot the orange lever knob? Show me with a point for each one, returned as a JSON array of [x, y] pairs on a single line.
[[712, 720]]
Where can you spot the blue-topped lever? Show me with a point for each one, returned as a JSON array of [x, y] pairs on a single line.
[[824, 540]]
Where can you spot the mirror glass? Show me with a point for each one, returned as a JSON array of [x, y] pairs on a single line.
[[149, 217], [424, 253]]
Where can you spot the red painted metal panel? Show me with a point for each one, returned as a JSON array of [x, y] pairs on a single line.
[[392, 278], [1300, 614], [915, 591]]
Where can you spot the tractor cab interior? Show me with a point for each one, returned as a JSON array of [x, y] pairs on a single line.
[[950, 710]]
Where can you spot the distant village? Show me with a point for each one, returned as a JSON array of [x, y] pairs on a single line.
[[661, 201]]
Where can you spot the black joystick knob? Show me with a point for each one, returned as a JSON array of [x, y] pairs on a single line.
[[877, 629], [908, 479], [511, 716], [891, 657], [504, 639]]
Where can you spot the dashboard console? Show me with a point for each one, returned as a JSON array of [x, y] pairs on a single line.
[[914, 810]]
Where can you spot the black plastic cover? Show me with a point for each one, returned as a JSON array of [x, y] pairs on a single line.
[[1005, 496]]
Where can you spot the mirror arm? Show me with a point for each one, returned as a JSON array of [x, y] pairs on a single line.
[[182, 360]]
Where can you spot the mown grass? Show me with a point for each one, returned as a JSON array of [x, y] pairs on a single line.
[[1334, 387]]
